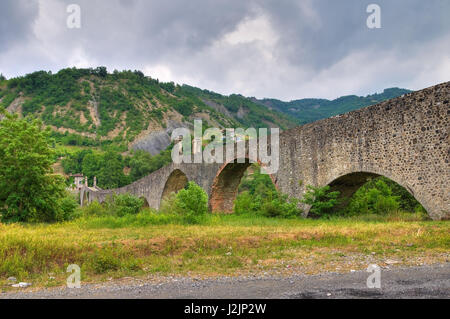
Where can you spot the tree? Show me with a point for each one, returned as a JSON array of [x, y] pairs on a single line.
[[141, 165], [91, 165], [321, 200], [111, 173], [2, 77], [29, 191], [101, 71]]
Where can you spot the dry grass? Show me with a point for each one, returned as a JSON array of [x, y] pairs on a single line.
[[223, 245]]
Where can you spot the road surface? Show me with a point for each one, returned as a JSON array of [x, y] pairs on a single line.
[[418, 282]]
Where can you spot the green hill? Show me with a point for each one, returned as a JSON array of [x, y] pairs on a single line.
[[106, 124], [91, 107], [95, 107], [310, 110]]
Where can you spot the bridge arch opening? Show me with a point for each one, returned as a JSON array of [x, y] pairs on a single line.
[[226, 186], [145, 202], [177, 181], [371, 193]]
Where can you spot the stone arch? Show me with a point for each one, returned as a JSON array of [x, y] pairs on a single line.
[[176, 181], [348, 183], [146, 204], [225, 186]]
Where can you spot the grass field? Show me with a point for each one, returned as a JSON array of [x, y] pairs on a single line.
[[147, 245]]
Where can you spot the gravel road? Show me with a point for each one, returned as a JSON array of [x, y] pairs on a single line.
[[417, 282]]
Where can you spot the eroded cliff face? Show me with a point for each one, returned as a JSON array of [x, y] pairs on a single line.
[[157, 139]]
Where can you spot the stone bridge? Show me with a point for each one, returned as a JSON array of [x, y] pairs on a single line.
[[405, 139]]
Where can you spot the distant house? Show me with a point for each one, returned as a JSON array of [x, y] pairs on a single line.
[[78, 181]]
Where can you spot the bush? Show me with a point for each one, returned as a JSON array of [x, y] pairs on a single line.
[[272, 204], [126, 204], [94, 209], [190, 203], [322, 201], [104, 261], [246, 203], [375, 197], [68, 210], [281, 206], [117, 205]]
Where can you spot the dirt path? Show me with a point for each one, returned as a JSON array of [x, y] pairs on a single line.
[[418, 282]]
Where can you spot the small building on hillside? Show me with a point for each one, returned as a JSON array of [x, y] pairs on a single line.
[[78, 180]]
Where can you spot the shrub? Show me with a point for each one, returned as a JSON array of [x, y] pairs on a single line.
[[168, 205], [116, 205], [375, 197], [322, 201], [104, 261], [246, 203], [191, 203], [281, 206], [68, 210], [126, 204], [94, 209]]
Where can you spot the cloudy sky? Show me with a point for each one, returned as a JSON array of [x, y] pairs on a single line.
[[281, 49]]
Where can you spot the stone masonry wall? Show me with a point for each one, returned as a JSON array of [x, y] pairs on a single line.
[[405, 139]]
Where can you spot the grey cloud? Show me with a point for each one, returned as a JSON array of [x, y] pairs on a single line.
[[16, 19], [314, 42]]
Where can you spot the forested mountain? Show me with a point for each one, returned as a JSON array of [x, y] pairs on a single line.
[[310, 110], [92, 107], [95, 106]]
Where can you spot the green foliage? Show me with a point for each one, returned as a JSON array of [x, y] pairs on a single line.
[[94, 209], [281, 206], [322, 201], [8, 98], [109, 166], [126, 204], [118, 205], [110, 174], [142, 163], [310, 110], [68, 211], [104, 261], [192, 203], [28, 190], [258, 196], [184, 107], [246, 203], [377, 197]]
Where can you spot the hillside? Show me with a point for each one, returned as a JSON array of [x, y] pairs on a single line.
[[310, 110], [92, 107], [106, 124]]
